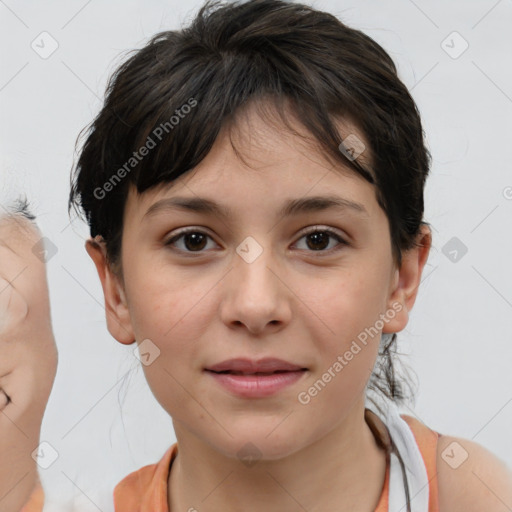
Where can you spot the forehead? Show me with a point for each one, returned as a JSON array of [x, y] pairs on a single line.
[[259, 130], [17, 233], [22, 271], [258, 140]]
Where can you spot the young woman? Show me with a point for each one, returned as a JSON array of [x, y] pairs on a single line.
[[254, 190]]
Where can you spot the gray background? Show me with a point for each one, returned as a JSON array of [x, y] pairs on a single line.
[[102, 419]]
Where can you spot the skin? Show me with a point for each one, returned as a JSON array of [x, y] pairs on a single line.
[[293, 302], [28, 358]]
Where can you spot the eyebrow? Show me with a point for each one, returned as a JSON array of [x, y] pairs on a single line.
[[291, 207]]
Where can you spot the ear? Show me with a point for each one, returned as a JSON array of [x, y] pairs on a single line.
[[116, 309], [406, 281]]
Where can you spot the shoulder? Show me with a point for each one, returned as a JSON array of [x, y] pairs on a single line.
[[471, 478], [139, 490], [132, 487]]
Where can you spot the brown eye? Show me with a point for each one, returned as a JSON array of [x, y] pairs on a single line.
[[318, 240], [193, 240]]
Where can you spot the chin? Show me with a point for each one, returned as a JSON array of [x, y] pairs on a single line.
[[257, 444]]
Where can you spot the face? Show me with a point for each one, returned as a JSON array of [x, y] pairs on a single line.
[[256, 284], [28, 357]]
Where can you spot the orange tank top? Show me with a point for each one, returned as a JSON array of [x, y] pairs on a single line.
[[426, 439], [36, 500]]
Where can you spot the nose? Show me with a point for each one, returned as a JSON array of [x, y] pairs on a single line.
[[255, 294]]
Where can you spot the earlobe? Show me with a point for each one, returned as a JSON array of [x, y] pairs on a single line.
[[116, 308], [406, 281]]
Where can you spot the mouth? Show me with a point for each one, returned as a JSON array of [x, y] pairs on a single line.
[[245, 366], [256, 379]]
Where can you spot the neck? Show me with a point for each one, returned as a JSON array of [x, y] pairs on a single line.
[[349, 471]]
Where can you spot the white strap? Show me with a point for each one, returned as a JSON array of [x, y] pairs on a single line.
[[415, 469]]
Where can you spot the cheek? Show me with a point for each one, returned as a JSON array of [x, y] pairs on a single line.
[[13, 307], [347, 331], [174, 314], [169, 310], [347, 304], [3, 399], [29, 397], [166, 299]]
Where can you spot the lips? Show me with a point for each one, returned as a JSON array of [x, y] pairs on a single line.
[[266, 366], [249, 379]]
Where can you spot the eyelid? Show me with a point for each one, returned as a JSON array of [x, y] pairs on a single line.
[[321, 227]]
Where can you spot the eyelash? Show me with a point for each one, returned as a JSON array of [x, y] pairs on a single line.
[[317, 229]]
